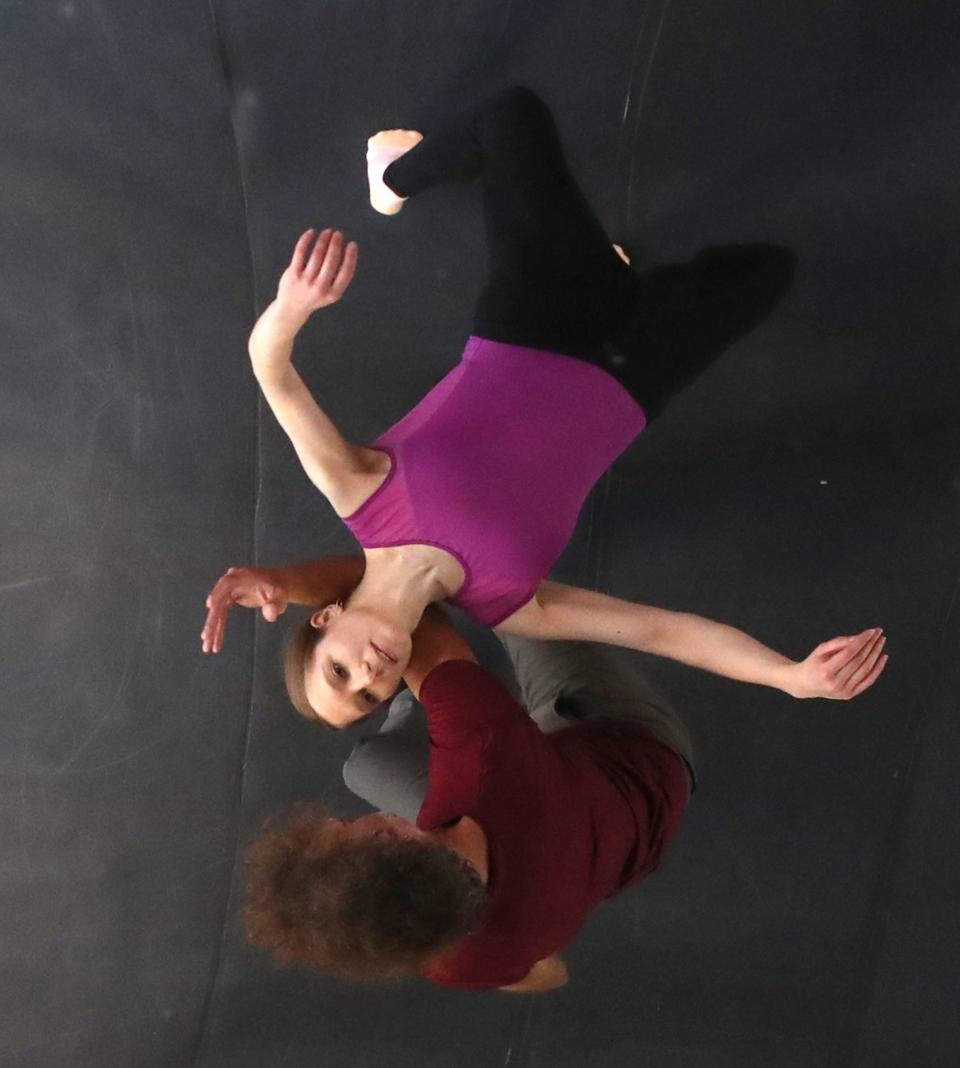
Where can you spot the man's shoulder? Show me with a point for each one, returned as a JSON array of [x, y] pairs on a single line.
[[463, 690], [462, 699]]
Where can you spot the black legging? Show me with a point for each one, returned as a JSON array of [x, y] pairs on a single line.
[[554, 281]]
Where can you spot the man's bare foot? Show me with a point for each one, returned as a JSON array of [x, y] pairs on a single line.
[[619, 251], [382, 149]]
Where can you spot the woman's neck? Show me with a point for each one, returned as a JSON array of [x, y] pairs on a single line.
[[399, 582]]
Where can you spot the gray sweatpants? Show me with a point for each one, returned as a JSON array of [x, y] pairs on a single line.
[[561, 683]]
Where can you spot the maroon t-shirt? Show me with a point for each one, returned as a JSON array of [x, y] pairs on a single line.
[[570, 818]]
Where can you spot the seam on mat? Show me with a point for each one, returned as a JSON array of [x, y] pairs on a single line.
[[229, 99], [627, 139], [848, 1043]]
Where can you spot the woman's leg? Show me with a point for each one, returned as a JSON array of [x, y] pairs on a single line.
[[554, 281]]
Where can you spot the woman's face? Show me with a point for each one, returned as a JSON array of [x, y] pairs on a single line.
[[357, 664]]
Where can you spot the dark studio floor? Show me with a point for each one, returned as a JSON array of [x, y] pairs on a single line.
[[157, 163]]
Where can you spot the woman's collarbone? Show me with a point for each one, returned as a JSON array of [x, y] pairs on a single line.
[[443, 566]]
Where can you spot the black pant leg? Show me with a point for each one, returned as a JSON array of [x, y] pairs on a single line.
[[553, 279]]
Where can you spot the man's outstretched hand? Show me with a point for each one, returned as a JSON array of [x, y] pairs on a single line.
[[839, 669], [246, 586]]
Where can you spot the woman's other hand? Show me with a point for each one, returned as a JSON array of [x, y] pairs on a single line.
[[246, 586], [839, 669], [318, 275]]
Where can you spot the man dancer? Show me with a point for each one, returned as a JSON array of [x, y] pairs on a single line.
[[499, 831]]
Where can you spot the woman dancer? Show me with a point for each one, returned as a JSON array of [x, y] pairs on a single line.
[[473, 495]]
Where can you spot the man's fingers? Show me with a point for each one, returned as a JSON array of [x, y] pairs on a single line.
[[318, 255], [215, 625], [208, 632], [222, 587], [300, 251], [219, 627], [220, 594], [229, 588]]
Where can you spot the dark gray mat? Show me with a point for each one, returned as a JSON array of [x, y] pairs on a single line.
[[157, 164]]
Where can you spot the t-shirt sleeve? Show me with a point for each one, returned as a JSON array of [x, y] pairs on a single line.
[[462, 698], [486, 966]]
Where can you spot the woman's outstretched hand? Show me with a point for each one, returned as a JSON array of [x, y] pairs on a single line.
[[318, 274], [839, 669], [246, 586]]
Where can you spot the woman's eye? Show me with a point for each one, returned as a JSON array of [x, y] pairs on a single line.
[[339, 670]]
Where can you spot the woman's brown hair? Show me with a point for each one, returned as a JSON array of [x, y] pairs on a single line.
[[370, 907], [297, 651]]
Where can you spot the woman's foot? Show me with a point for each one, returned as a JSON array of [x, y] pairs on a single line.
[[382, 149], [619, 251]]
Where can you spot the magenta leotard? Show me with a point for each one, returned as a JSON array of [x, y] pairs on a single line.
[[493, 466]]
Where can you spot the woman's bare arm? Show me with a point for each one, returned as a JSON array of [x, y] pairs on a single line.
[[315, 278], [839, 669]]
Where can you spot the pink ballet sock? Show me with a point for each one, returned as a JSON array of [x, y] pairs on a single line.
[[379, 157]]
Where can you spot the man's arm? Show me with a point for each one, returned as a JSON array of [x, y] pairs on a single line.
[[435, 641], [839, 669], [547, 974], [271, 589]]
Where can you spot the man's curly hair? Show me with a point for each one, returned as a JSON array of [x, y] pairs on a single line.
[[371, 907]]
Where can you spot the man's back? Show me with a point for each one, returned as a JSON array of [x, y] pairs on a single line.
[[570, 817]]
